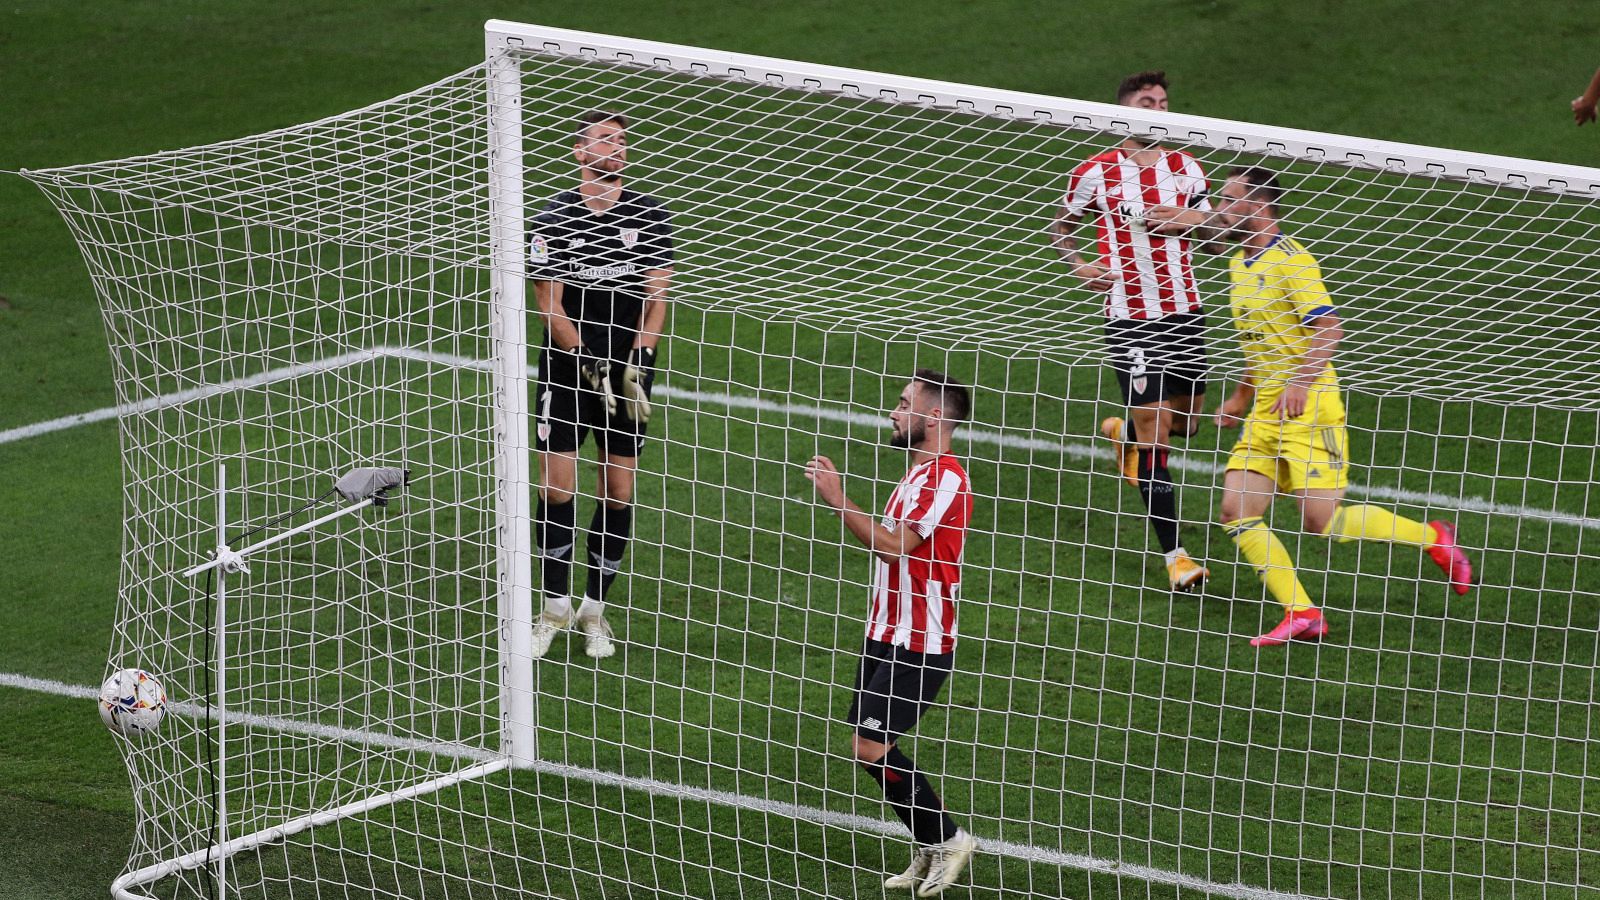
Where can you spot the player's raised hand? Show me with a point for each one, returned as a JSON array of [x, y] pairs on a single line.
[[596, 373], [1583, 109], [637, 376], [824, 476]]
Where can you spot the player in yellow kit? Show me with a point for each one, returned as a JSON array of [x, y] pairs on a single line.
[[1293, 416]]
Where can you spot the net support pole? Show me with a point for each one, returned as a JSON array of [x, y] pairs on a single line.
[[221, 701], [508, 333]]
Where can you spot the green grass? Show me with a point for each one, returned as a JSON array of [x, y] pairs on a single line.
[[1454, 721]]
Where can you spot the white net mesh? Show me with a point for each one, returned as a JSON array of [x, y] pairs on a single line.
[[295, 304]]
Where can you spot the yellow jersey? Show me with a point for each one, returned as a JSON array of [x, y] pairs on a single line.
[[1276, 292]]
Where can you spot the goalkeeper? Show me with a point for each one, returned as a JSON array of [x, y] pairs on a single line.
[[600, 259], [1294, 424]]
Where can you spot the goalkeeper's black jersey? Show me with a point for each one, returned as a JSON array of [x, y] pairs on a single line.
[[601, 261]]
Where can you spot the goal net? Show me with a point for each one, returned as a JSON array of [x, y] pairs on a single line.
[[357, 715]]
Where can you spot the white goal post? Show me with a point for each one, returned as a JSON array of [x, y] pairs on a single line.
[[360, 715]]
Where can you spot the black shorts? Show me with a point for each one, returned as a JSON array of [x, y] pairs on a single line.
[[566, 410], [1158, 359], [894, 687]]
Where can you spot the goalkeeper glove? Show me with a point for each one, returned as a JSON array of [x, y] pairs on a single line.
[[637, 376], [596, 373]]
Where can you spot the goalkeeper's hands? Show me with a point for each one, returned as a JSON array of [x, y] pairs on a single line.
[[595, 372], [637, 376]]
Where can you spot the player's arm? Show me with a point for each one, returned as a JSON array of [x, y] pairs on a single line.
[[1301, 281], [1237, 405], [594, 371], [563, 333], [1198, 222], [1326, 332], [1583, 108], [1196, 219], [1064, 238], [653, 316], [545, 262], [640, 371], [887, 545]]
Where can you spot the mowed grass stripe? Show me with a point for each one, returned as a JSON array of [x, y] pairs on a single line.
[[659, 788], [975, 435]]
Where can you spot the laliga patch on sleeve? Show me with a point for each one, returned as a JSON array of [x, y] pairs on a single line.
[[538, 250]]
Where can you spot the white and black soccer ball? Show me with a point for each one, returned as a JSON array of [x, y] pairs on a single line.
[[132, 702]]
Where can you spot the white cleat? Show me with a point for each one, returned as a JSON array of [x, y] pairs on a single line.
[[921, 858], [596, 636], [544, 631], [949, 859]]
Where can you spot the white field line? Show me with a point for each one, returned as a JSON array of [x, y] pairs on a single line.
[[659, 788], [178, 398], [832, 413]]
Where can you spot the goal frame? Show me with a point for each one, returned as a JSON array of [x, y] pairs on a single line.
[[505, 37], [504, 42]]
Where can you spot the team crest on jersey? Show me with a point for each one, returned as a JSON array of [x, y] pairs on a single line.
[[1140, 383], [630, 236], [538, 250]]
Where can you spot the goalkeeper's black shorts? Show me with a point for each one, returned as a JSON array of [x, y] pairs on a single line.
[[894, 687], [566, 410], [1158, 359]]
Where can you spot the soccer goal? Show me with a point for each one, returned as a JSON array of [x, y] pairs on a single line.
[[357, 715]]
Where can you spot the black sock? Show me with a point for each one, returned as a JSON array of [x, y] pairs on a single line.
[[609, 531], [912, 797], [1155, 487], [554, 529]]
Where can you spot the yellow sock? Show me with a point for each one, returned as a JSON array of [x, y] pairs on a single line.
[[1262, 548], [1362, 522]]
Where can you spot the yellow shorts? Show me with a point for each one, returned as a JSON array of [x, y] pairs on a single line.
[[1294, 454]]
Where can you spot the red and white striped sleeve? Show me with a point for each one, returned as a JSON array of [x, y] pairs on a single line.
[[1196, 187], [1084, 186]]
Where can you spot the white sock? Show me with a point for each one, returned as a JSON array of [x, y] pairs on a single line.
[[591, 608], [1173, 556], [557, 606]]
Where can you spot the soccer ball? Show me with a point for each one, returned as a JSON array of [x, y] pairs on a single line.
[[132, 702]]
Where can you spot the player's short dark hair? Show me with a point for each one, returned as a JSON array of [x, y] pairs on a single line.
[[596, 117], [954, 397], [1138, 81], [1263, 183]]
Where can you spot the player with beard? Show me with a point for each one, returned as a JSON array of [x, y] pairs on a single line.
[[600, 259], [1291, 407], [911, 626]]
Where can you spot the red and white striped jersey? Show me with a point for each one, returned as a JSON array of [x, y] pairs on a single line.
[[1152, 275], [914, 598]]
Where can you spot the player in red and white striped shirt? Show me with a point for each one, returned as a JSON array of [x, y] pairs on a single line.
[[1149, 204], [911, 626]]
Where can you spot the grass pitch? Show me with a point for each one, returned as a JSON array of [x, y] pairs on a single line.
[[1438, 744]]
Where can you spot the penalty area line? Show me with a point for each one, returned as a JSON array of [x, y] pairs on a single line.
[[824, 413], [659, 788]]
